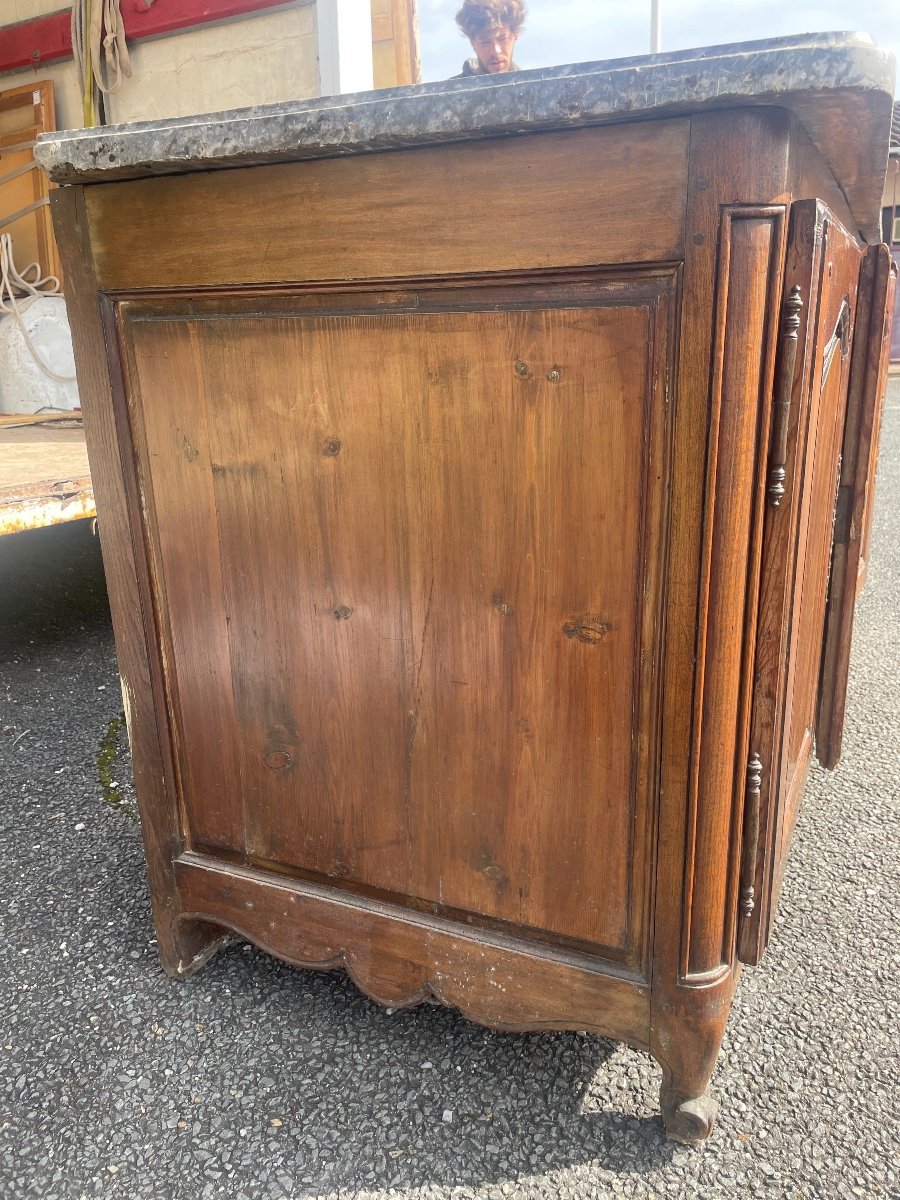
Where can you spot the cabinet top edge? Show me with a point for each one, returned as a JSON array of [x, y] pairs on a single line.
[[831, 81]]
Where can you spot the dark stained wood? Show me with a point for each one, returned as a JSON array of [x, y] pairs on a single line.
[[749, 275], [812, 179], [423, 597], [463, 648], [467, 208], [688, 1018], [859, 456]]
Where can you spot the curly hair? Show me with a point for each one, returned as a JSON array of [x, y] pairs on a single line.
[[481, 18]]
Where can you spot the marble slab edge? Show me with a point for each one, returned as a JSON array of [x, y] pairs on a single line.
[[836, 84]]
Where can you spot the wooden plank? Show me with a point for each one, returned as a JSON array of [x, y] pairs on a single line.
[[129, 602], [35, 453], [44, 476], [26, 112], [16, 420], [433, 211]]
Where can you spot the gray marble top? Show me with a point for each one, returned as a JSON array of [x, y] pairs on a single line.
[[840, 85]]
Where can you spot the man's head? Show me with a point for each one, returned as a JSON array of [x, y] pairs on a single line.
[[492, 26]]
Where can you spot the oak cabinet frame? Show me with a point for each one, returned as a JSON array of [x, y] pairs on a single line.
[[462, 644]]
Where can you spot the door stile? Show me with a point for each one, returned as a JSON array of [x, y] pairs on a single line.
[[799, 317]]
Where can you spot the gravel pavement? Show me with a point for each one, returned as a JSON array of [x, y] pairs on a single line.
[[254, 1080]]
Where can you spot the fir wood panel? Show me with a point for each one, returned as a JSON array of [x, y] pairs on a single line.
[[736, 159], [434, 211], [124, 567], [406, 664], [823, 267]]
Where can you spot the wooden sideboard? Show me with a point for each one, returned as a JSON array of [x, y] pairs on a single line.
[[469, 510]]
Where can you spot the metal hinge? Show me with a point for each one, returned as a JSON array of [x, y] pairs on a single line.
[[781, 410]]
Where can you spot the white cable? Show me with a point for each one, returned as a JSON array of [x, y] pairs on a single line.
[[12, 282]]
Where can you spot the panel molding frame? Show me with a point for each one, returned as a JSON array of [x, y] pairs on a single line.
[[655, 287]]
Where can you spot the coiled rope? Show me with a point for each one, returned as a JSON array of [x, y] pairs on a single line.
[[13, 285]]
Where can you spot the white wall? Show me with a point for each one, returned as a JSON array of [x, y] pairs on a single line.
[[263, 58], [345, 46], [12, 11]]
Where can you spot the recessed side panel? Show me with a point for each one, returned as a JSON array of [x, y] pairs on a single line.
[[407, 560]]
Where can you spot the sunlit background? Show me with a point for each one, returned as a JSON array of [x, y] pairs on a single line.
[[565, 31]]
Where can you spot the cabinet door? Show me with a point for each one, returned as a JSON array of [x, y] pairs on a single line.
[[859, 457], [809, 409]]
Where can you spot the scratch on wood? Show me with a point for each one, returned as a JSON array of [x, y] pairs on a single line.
[[413, 716]]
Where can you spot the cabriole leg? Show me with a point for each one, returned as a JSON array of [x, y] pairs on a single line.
[[187, 945], [686, 1048]]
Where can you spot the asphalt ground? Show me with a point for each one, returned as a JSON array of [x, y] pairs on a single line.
[[258, 1080]]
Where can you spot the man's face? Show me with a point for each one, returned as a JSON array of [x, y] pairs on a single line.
[[495, 49]]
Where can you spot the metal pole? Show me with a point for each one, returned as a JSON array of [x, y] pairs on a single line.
[[655, 27]]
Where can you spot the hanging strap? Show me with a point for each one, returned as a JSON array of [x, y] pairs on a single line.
[[100, 52]]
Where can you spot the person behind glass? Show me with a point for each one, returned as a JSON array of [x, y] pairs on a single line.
[[493, 27]]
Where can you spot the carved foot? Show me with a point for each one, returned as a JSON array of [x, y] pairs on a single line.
[[189, 945], [688, 1119]]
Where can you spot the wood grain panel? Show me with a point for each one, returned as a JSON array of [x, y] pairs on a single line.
[[444, 210], [437, 679], [736, 159]]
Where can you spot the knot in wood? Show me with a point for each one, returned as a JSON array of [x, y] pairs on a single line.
[[586, 630]]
